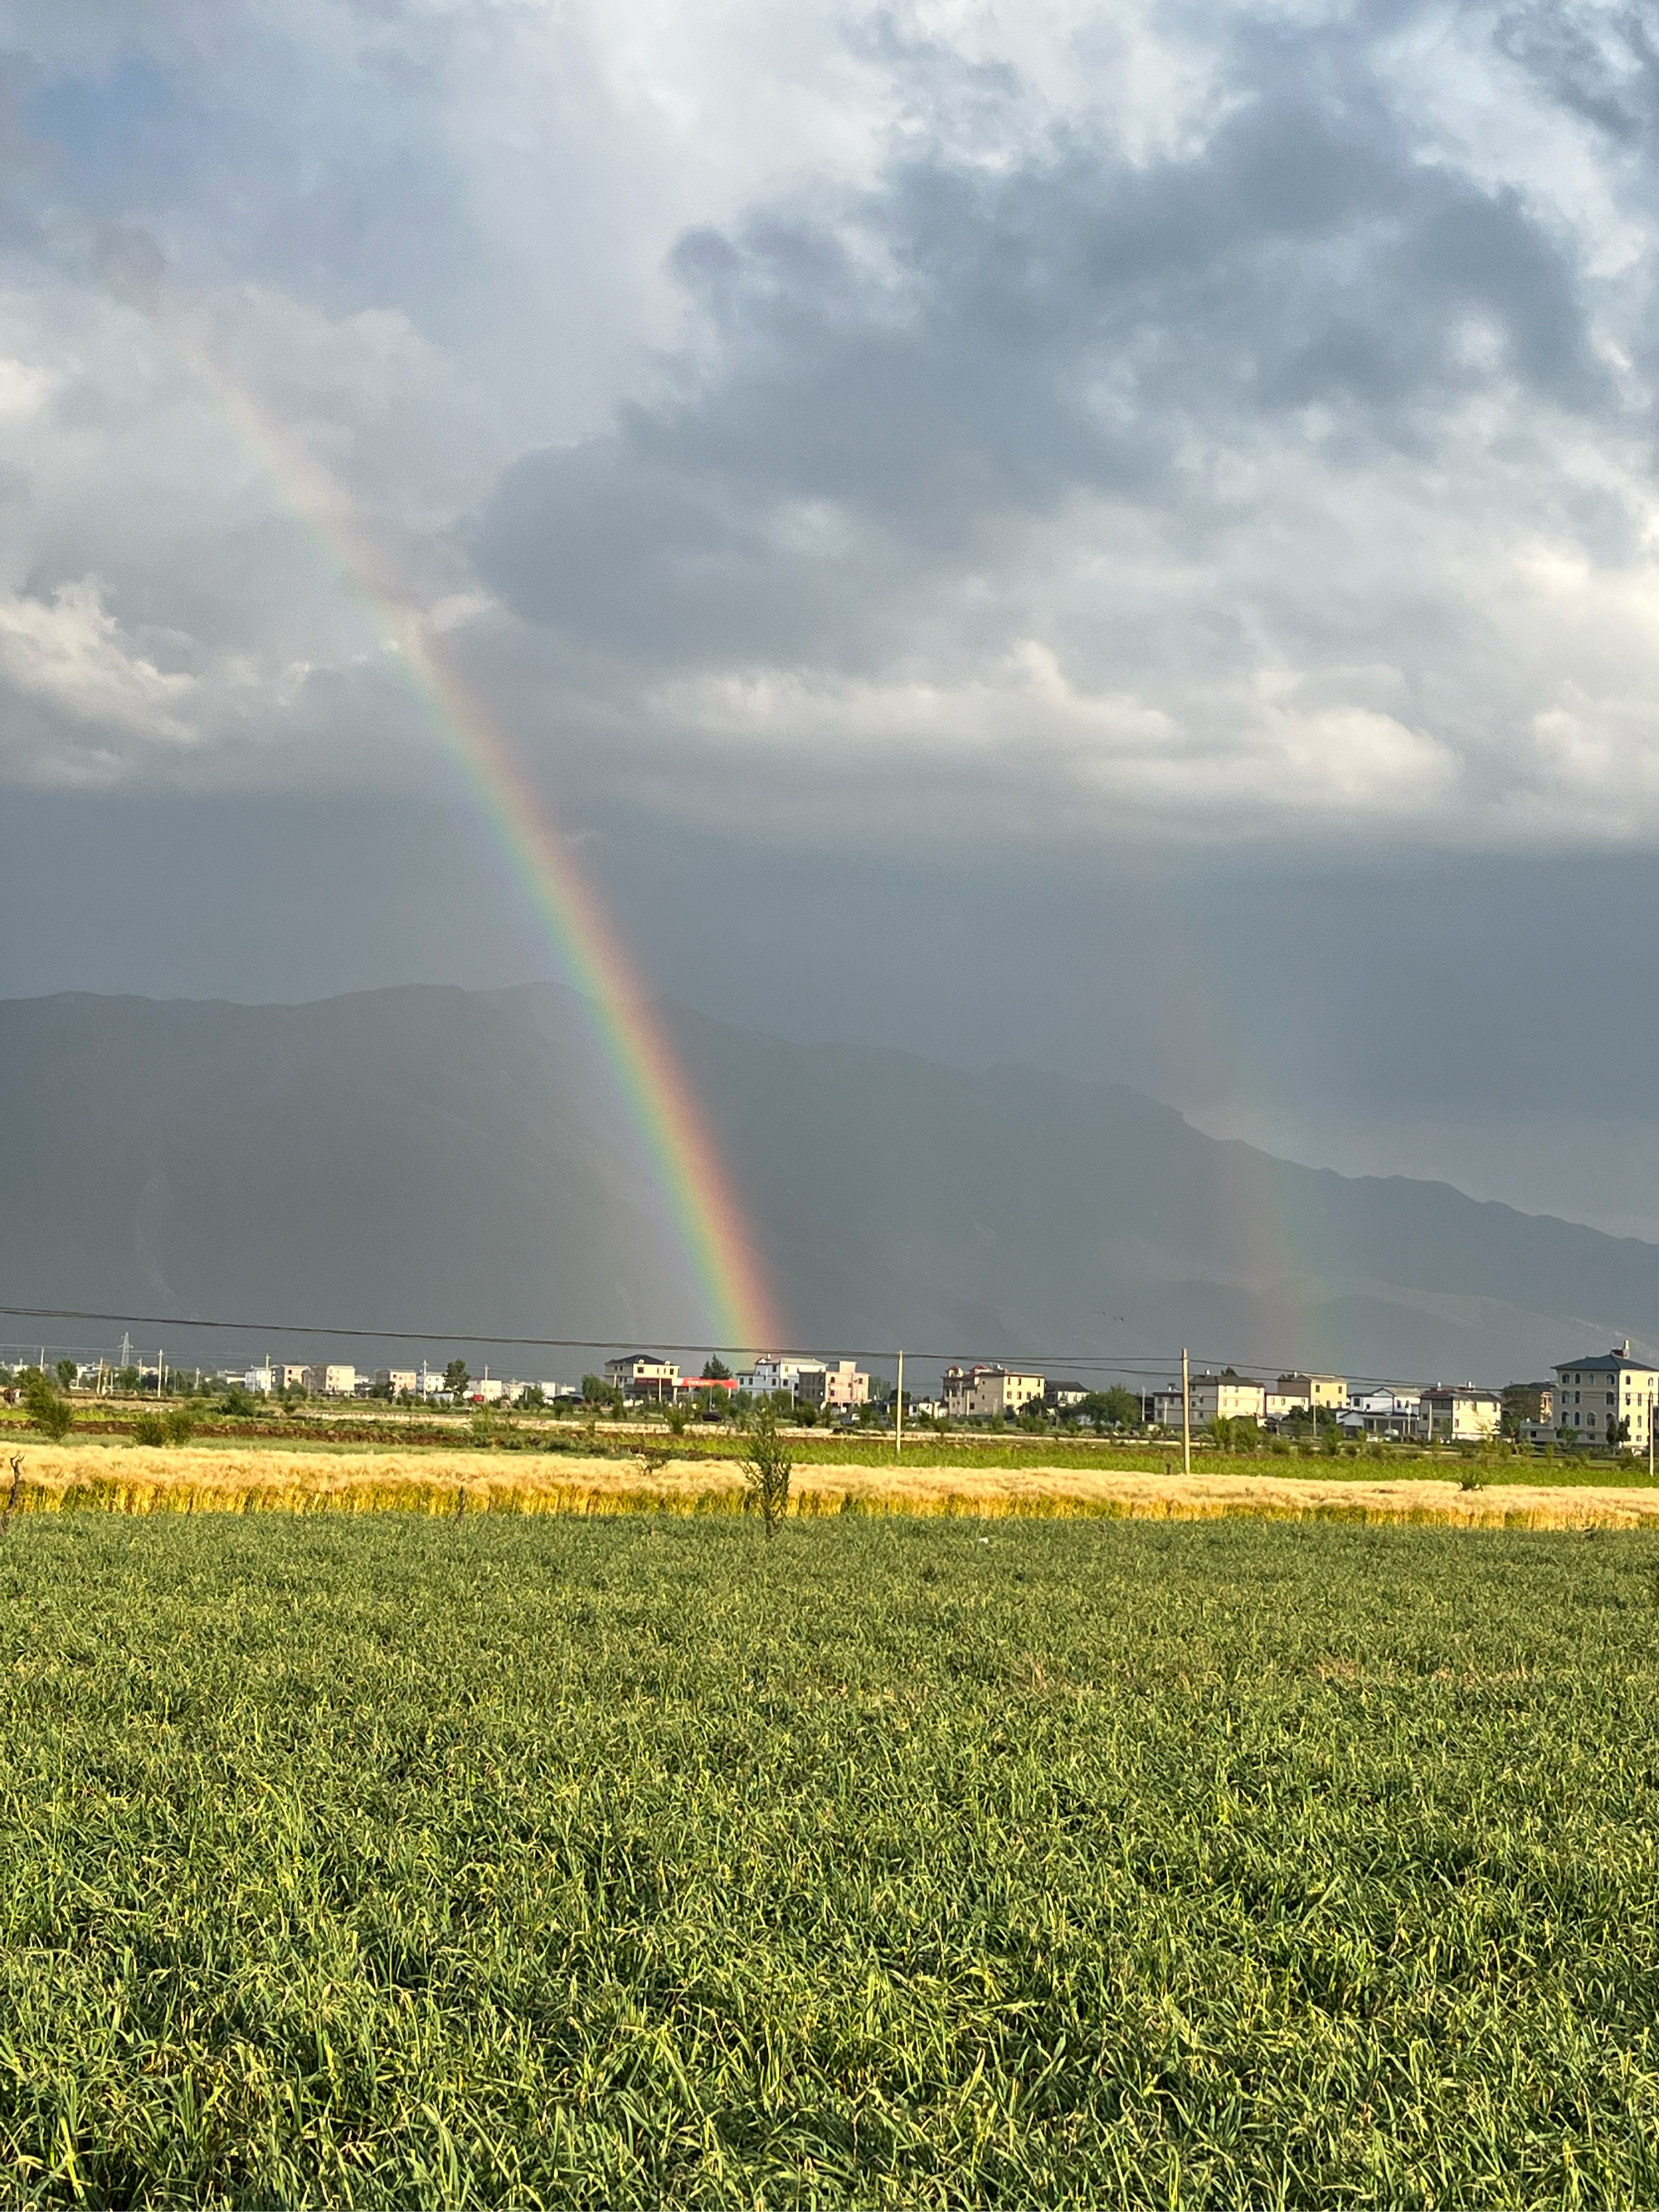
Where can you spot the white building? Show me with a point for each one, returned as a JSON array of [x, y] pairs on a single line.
[[1322, 1390], [1223, 1397], [833, 1383], [402, 1382], [1387, 1410], [260, 1380], [777, 1370], [1459, 1413], [1612, 1388], [983, 1392], [334, 1381], [644, 1374]]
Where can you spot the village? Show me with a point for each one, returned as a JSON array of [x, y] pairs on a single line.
[[1604, 1401]]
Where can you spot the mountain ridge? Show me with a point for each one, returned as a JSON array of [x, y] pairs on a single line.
[[461, 1153]]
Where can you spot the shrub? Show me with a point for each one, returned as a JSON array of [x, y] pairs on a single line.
[[766, 1465], [180, 1426], [47, 1412], [149, 1429]]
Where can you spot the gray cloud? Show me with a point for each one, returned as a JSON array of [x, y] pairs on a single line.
[[897, 483], [1206, 438]]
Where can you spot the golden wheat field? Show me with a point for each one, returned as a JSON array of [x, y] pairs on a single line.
[[209, 1479]]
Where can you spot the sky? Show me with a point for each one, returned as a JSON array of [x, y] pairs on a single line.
[[1122, 538]]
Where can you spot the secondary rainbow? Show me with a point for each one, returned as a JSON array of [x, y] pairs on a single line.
[[685, 1163]]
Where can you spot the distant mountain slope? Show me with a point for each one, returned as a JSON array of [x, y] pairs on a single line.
[[432, 1157]]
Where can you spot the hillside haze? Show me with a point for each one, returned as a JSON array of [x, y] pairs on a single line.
[[444, 1160]]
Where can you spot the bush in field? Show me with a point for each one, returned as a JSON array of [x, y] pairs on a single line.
[[149, 1429], [766, 1465], [179, 1425], [67, 1373], [49, 1413]]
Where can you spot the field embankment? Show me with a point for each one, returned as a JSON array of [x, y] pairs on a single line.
[[216, 1478]]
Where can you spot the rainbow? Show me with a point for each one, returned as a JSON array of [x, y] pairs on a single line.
[[685, 1163]]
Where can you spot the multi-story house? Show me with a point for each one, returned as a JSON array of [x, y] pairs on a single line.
[[983, 1392], [1320, 1389], [1387, 1410], [1225, 1397], [1459, 1413], [784, 1371], [643, 1375], [1611, 1389], [833, 1383], [333, 1380]]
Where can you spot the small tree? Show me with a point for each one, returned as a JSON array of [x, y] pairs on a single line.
[[67, 1374], [715, 1371], [47, 1412], [456, 1378], [766, 1465]]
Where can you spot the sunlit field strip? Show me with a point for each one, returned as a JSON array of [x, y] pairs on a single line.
[[207, 1479]]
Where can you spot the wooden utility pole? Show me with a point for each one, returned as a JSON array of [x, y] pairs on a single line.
[[1186, 1413]]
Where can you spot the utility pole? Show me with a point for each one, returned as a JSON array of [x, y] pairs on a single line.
[[898, 1412], [1186, 1413], [161, 1369]]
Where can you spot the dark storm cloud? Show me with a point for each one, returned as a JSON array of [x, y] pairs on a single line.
[[900, 386]]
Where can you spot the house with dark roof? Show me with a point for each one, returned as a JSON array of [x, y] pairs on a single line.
[[1596, 1397]]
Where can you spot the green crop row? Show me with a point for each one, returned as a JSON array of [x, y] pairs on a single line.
[[635, 1863]]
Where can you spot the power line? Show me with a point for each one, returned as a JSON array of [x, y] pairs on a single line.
[[1094, 1363]]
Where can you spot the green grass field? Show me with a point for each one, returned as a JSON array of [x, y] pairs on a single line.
[[637, 1863]]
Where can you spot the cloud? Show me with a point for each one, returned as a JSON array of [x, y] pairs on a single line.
[[71, 654], [1158, 427], [1298, 391]]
